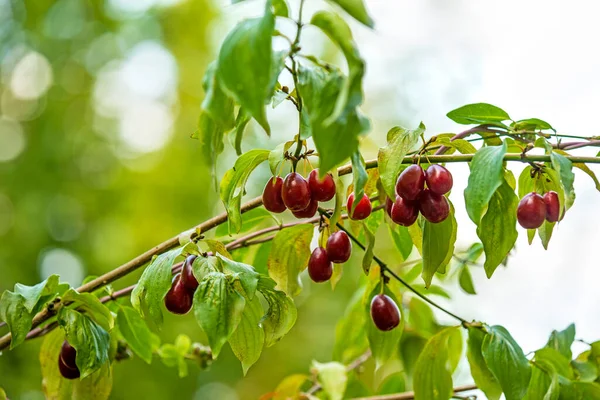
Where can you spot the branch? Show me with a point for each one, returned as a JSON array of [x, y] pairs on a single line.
[[411, 395]]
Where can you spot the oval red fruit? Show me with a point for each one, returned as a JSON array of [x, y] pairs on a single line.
[[321, 190], [438, 179], [404, 212], [411, 182], [68, 355], [178, 299], [363, 208], [271, 196], [309, 211], [552, 206], [319, 266], [531, 211], [295, 192], [384, 312], [388, 206], [339, 247], [187, 275], [66, 371], [434, 207]]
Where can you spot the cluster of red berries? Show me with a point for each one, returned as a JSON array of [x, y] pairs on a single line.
[[534, 209], [66, 361], [180, 297], [337, 250], [412, 197]]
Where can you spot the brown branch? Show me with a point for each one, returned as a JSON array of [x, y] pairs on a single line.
[[411, 395]]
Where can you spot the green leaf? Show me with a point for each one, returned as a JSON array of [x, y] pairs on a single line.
[[582, 167], [248, 339], [483, 377], [142, 341], [584, 370], [487, 174], [421, 318], [33, 294], [350, 332], [289, 256], [552, 359], [247, 276], [245, 65], [280, 8], [478, 113], [356, 9], [174, 355], [401, 239], [218, 309], [562, 341], [371, 224], [277, 156], [91, 305], [281, 315], [147, 296], [2, 394], [87, 337], [466, 281], [432, 378], [461, 145], [392, 384], [507, 362], [498, 227], [360, 177], [237, 133], [542, 386], [216, 103], [332, 377], [383, 344], [531, 124], [564, 168], [400, 142], [580, 391], [233, 184], [438, 245]]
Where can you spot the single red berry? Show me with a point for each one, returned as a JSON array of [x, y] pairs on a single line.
[[66, 371], [339, 247], [295, 192], [309, 211], [404, 212], [411, 182], [388, 206], [319, 266], [178, 299], [321, 190], [438, 179], [384, 312], [531, 211], [271, 196], [68, 355], [434, 207], [363, 208], [552, 206], [187, 275]]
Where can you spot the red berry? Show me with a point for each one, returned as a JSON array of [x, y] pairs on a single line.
[[178, 299], [404, 212], [295, 192], [319, 266], [388, 206], [66, 371], [531, 211], [384, 312], [68, 355], [434, 207], [439, 179], [321, 190], [552, 206], [363, 208], [411, 182], [187, 275], [339, 247], [271, 196], [309, 211]]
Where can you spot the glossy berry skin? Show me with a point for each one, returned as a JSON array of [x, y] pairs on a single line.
[[434, 207], [187, 275], [411, 182], [319, 266], [363, 208], [68, 355], [404, 212], [309, 211], [66, 371], [384, 312], [178, 299], [552, 206], [438, 179], [271, 196], [295, 192], [339, 247], [531, 211], [388, 206], [321, 190]]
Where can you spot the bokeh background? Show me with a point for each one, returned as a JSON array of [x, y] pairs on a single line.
[[98, 100]]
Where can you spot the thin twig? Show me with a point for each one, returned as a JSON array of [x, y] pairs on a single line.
[[411, 395]]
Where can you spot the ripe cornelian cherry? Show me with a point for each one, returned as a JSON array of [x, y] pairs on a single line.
[[388, 206], [295, 192], [178, 299], [411, 182], [319, 266], [187, 275], [309, 211], [363, 208], [531, 211], [404, 212], [434, 207], [384, 312], [339, 247], [321, 190], [552, 206], [66, 371], [66, 361], [438, 179], [271, 196]]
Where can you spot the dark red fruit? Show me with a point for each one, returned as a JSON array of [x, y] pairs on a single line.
[[68, 355], [388, 206], [384, 312], [404, 212], [187, 275], [438, 179], [321, 190], [339, 247], [434, 207], [531, 211], [271, 196], [295, 192], [411, 182], [319, 266], [66, 371], [309, 211], [363, 208], [552, 206], [178, 299]]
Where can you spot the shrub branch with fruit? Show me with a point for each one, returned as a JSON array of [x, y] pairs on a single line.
[[246, 298]]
